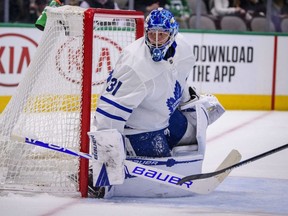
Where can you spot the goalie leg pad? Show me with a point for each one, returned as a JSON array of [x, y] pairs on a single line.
[[190, 135], [108, 157], [202, 124], [198, 121]]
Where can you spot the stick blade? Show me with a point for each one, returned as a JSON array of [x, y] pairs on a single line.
[[232, 158], [207, 185]]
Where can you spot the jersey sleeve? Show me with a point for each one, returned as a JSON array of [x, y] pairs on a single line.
[[124, 92]]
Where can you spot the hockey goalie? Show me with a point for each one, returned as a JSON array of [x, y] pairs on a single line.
[[148, 114]]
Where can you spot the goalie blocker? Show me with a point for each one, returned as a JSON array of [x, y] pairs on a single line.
[[108, 157]]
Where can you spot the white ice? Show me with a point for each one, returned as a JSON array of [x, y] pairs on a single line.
[[258, 188]]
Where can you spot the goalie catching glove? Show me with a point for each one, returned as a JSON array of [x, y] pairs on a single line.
[[213, 107]]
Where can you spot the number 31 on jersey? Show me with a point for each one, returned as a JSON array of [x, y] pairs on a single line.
[[113, 86]]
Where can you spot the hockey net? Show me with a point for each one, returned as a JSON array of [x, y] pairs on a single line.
[[56, 99]]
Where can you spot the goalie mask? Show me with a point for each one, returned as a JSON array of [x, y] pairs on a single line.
[[160, 31]]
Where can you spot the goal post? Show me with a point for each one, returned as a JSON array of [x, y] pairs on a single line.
[[56, 100]]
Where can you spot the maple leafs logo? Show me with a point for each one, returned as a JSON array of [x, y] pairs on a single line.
[[173, 103]]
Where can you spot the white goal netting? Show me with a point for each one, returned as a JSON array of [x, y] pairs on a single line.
[[48, 105]]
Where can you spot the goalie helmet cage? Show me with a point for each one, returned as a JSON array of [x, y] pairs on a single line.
[[56, 99]]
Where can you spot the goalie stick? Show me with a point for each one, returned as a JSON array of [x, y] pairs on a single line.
[[151, 173], [230, 168]]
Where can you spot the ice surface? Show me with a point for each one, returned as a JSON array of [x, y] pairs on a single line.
[[259, 188]]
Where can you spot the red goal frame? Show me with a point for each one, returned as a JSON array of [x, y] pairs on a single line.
[[87, 79]]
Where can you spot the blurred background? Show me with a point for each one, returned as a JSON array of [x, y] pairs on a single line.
[[237, 15]]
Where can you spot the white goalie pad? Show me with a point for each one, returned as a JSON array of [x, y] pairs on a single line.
[[198, 121], [108, 157], [211, 104], [185, 163], [202, 124]]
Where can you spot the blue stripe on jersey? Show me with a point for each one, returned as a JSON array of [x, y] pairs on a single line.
[[109, 115], [116, 104]]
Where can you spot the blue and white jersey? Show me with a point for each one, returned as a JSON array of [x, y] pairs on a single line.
[[141, 94]]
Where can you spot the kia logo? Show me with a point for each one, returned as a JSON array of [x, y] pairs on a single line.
[[69, 59], [16, 51]]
